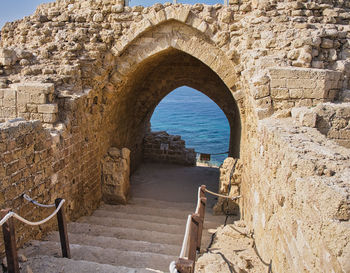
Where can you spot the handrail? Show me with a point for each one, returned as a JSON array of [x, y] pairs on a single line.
[[26, 197], [186, 264], [8, 229], [223, 196], [15, 215]]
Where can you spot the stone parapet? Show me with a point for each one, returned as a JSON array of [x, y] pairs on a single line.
[[292, 86], [32, 101], [162, 147]]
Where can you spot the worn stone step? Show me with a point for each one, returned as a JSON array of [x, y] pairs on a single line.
[[160, 212], [105, 255], [131, 234], [120, 244], [125, 233], [45, 264], [162, 204], [136, 224], [208, 223]]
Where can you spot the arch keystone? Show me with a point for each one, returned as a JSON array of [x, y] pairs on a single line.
[[177, 14], [156, 17]]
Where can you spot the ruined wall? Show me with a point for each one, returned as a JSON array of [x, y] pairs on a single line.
[[162, 147], [296, 198], [256, 59]]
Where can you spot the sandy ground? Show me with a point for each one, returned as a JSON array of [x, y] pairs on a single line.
[[234, 243]]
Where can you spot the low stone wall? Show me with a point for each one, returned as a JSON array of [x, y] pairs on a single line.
[[162, 147], [296, 198], [47, 164], [32, 101]]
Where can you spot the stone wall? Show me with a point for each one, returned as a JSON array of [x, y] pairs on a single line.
[[26, 157], [30, 101], [258, 60], [230, 174], [296, 198], [162, 147]]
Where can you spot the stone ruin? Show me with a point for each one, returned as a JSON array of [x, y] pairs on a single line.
[[79, 77]]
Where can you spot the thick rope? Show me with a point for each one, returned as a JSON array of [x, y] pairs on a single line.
[[198, 200], [213, 154], [185, 241], [26, 197], [223, 196], [15, 215], [172, 265]]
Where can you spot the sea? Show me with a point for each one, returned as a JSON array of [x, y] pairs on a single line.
[[197, 119]]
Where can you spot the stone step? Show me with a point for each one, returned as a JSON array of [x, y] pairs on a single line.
[[115, 243], [45, 264], [105, 255], [160, 212], [162, 204], [208, 223], [136, 224], [132, 234], [125, 233]]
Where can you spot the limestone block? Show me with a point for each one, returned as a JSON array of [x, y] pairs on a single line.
[[7, 57], [305, 116], [280, 93], [345, 96], [315, 83], [49, 118], [116, 176], [48, 108], [177, 14], [38, 98], [10, 98], [34, 87], [156, 17]]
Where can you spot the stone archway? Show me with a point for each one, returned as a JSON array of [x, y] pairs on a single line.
[[159, 61]]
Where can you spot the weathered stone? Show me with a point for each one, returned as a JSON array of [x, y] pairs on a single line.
[[115, 176]]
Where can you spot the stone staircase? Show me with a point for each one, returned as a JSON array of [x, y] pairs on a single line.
[[143, 236]]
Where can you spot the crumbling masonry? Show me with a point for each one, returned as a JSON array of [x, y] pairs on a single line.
[[79, 77]]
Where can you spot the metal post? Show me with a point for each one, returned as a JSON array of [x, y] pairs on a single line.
[[8, 230], [62, 229]]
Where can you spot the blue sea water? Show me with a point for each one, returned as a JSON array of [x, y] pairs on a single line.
[[197, 119]]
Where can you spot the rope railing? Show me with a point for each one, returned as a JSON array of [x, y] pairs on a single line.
[[20, 218], [223, 196], [26, 197], [193, 234], [8, 229]]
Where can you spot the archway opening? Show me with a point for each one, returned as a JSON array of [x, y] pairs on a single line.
[[152, 80], [197, 119]]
